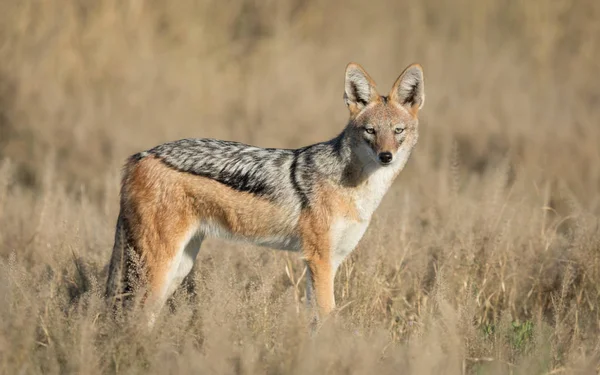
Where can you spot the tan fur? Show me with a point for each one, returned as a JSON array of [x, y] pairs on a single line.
[[164, 204]]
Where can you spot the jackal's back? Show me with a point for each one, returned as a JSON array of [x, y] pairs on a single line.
[[277, 174], [237, 165]]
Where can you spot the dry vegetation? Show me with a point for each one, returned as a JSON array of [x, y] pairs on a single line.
[[484, 257]]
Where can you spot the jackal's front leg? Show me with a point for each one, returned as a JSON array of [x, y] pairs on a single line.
[[316, 248], [320, 281]]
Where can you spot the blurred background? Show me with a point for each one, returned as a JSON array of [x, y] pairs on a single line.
[[87, 83], [501, 195]]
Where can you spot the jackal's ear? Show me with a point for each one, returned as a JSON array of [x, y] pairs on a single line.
[[409, 89], [360, 88]]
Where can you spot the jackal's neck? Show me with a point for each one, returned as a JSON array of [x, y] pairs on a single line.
[[363, 177]]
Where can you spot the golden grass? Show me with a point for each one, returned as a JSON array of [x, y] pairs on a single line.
[[483, 258]]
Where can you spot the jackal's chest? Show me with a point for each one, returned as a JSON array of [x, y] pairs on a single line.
[[346, 232], [345, 235], [368, 196]]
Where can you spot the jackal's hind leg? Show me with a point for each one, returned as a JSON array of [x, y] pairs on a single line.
[[170, 275]]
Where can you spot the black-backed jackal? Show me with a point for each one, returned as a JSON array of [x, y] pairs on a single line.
[[317, 200]]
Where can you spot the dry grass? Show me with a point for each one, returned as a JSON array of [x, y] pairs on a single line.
[[484, 257]]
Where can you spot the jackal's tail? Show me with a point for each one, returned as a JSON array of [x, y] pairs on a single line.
[[115, 285], [125, 267]]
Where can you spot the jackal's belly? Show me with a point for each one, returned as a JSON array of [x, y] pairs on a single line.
[[281, 236]]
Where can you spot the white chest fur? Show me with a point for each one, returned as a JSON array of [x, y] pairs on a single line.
[[370, 194], [345, 235], [346, 232]]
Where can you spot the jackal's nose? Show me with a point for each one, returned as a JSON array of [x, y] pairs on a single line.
[[385, 157]]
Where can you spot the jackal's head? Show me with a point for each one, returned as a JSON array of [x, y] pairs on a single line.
[[383, 129]]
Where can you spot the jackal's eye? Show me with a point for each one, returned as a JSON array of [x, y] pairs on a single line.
[[370, 130], [398, 130]]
